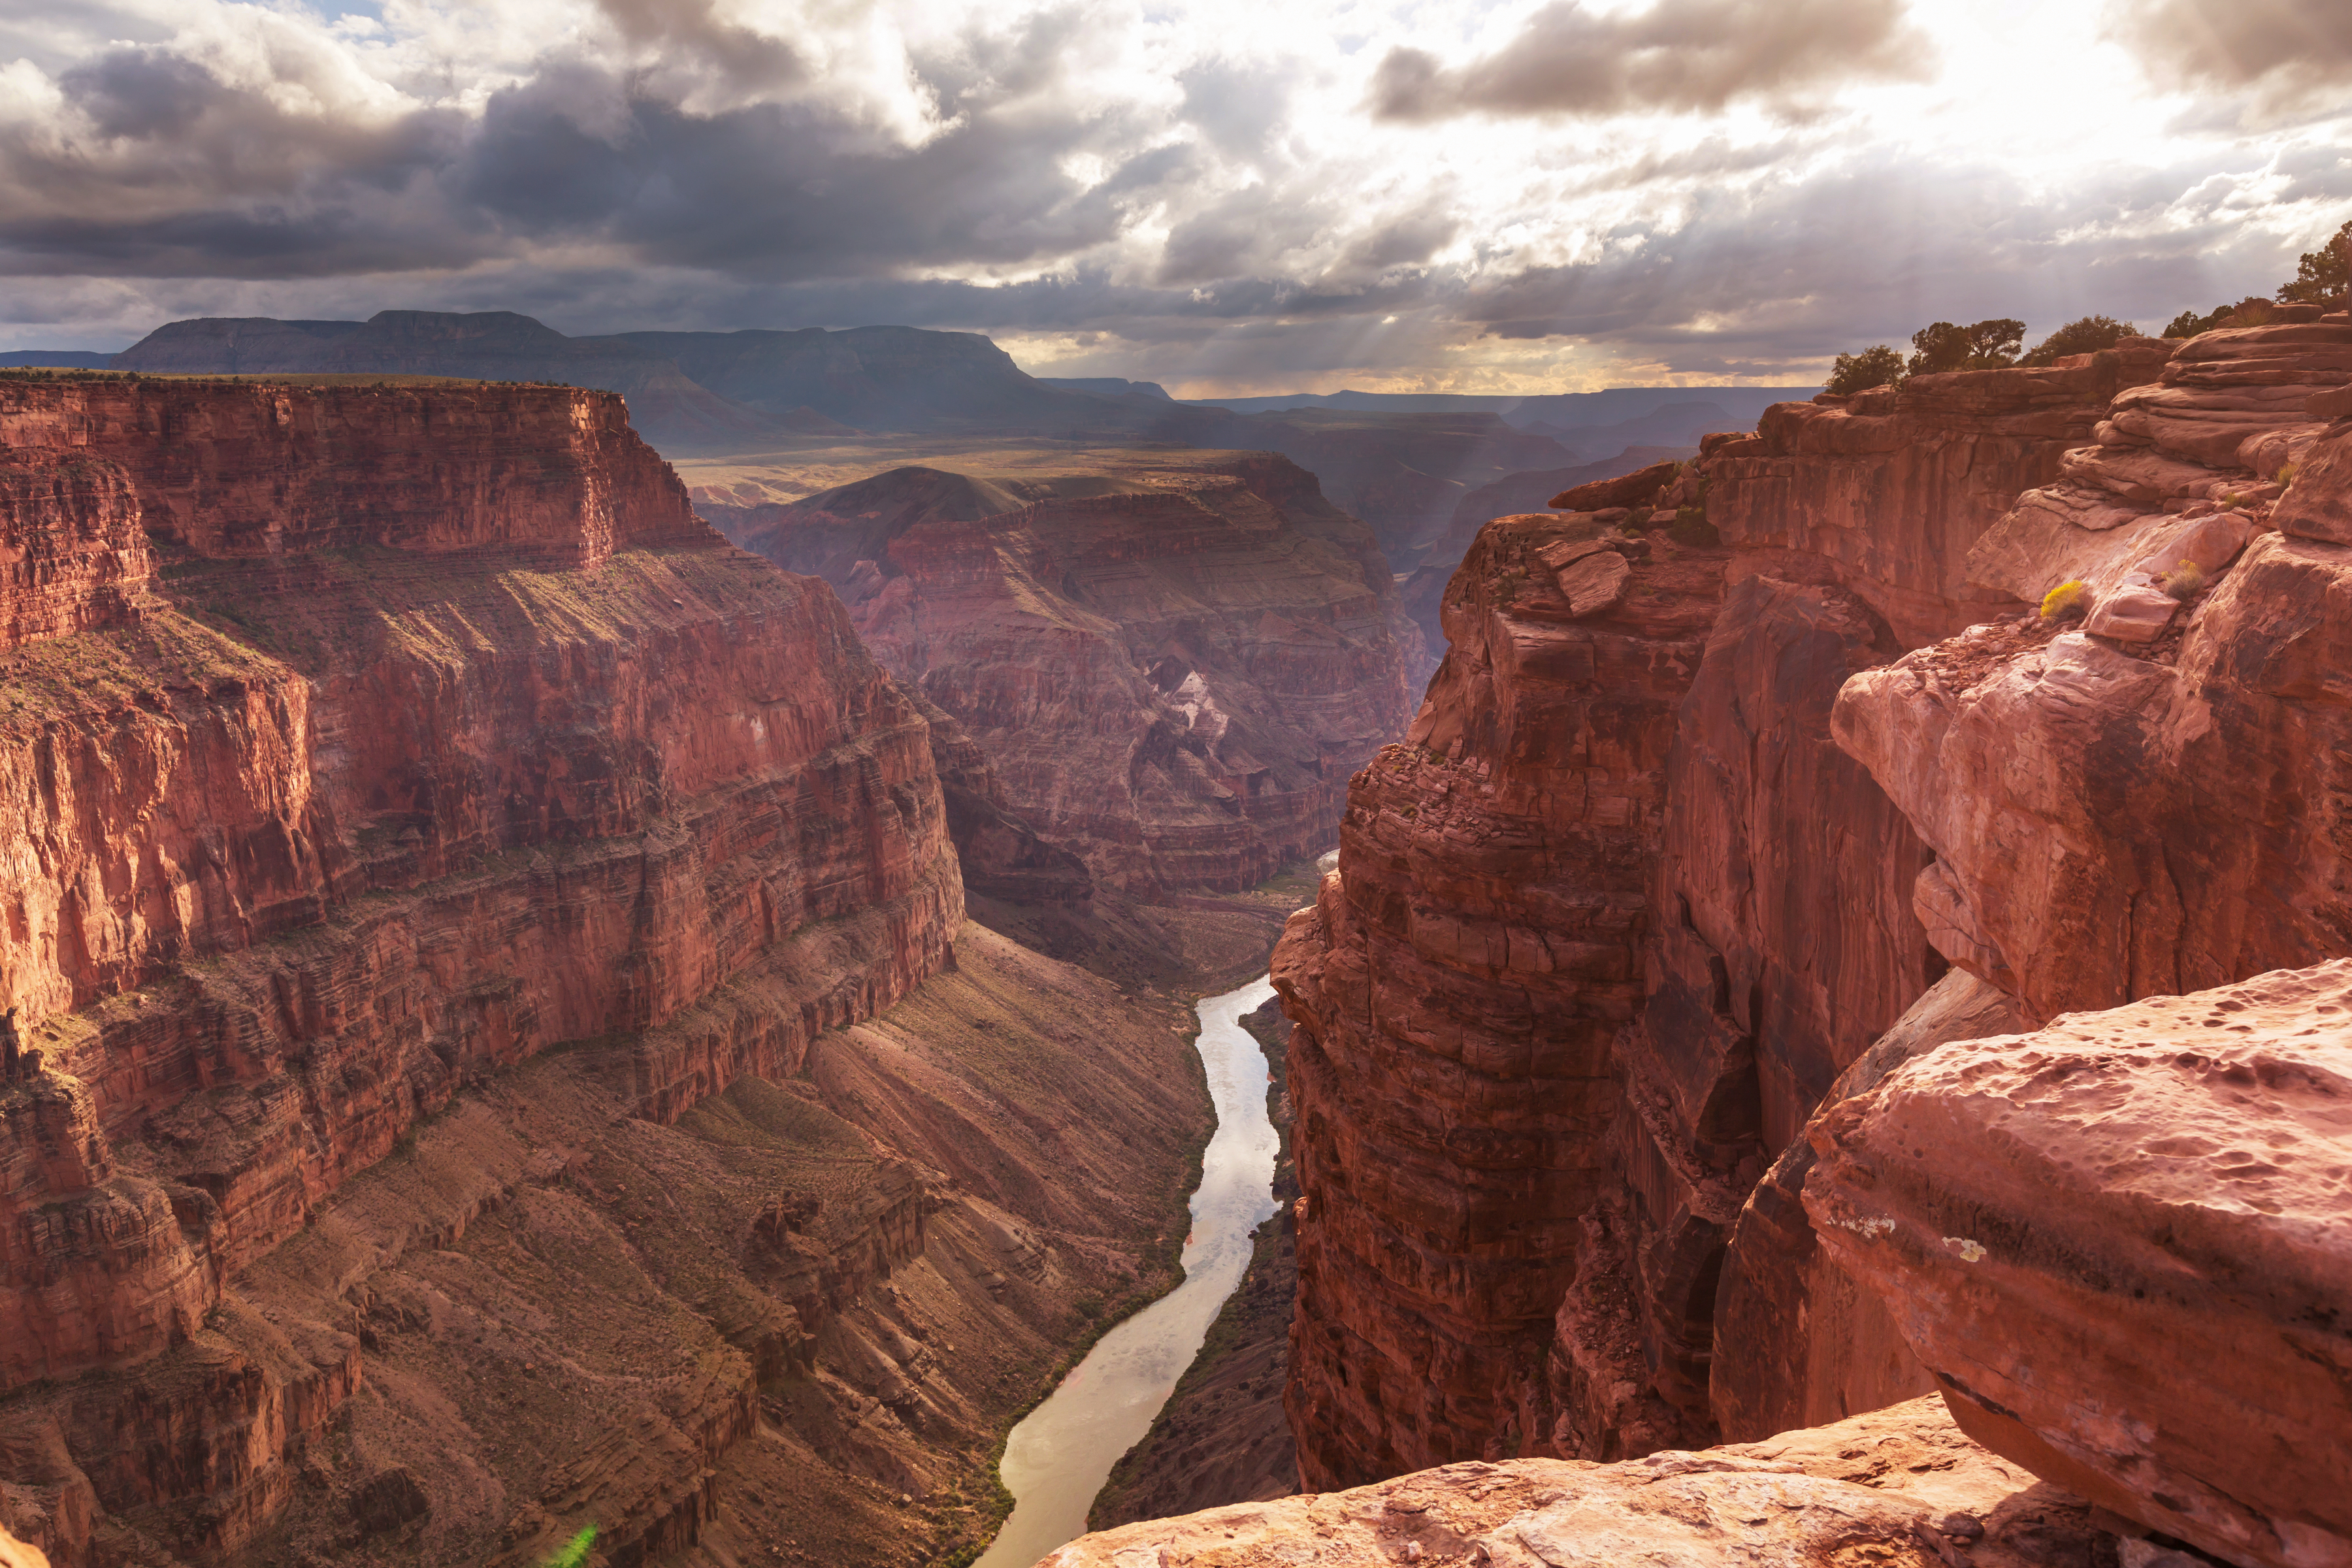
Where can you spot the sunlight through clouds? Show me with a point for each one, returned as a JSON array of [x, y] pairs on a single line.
[[1219, 195]]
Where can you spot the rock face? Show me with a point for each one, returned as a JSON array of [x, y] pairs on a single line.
[[1900, 1486], [1893, 487], [239, 469], [410, 763], [2124, 1245], [1457, 986], [74, 557], [1579, 989], [1170, 664]]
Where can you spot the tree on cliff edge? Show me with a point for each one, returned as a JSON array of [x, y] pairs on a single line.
[[1982, 345], [2086, 336], [1880, 367], [2323, 275]]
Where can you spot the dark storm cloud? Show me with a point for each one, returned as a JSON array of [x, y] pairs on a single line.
[[790, 190], [1680, 55], [2294, 45], [165, 170], [169, 171]]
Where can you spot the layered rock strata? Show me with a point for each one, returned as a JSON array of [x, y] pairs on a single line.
[[1863, 829], [1170, 665], [1892, 488], [1456, 987], [344, 779]]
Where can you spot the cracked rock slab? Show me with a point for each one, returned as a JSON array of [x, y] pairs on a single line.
[[2075, 1229]]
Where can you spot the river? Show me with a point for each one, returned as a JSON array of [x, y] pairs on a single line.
[[1060, 1455]]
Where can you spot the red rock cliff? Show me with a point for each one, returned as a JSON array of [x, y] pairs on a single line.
[[1561, 1029], [442, 735], [254, 468]]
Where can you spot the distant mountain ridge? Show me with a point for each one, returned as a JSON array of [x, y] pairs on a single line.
[[686, 390]]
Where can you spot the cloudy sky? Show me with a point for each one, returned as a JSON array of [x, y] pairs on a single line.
[[1227, 196]]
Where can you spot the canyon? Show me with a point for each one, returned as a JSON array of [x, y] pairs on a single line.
[[1826, 1029], [1171, 660], [495, 1043], [1736, 807]]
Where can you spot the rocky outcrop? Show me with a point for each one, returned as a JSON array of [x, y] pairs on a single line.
[[446, 735], [2122, 1245], [1892, 488], [1170, 663], [1901, 1486], [1798, 1341], [1633, 476], [1829, 827]]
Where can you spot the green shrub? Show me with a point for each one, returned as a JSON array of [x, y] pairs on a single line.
[[2066, 601], [574, 1552], [2250, 312], [1880, 366], [2086, 336], [2184, 581], [2285, 475]]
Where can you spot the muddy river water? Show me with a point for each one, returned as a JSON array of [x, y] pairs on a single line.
[[1061, 1454]]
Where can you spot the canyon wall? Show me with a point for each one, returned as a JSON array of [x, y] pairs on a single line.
[[1710, 823], [1171, 662], [363, 743]]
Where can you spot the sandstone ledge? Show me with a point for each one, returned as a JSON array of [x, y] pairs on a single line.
[[1897, 1487]]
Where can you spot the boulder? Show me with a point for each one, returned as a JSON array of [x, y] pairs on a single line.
[[1594, 584], [2122, 1245], [1639, 488], [2133, 612], [2318, 504]]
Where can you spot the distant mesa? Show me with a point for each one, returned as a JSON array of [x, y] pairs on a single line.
[[55, 359], [687, 392]]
